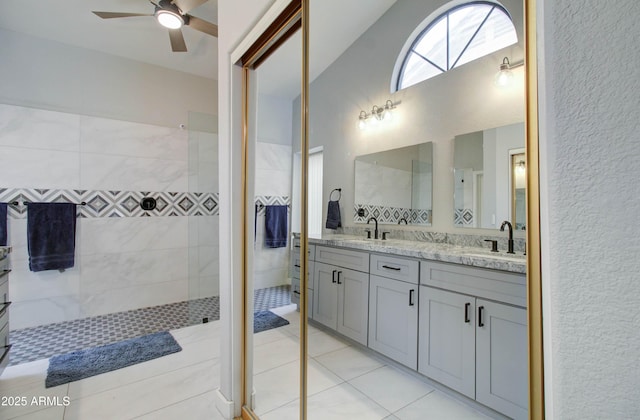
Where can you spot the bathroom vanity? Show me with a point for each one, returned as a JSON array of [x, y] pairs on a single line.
[[4, 307], [456, 315]]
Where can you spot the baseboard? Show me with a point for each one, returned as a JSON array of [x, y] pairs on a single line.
[[224, 406]]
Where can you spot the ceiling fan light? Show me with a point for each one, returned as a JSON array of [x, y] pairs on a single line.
[[169, 19]]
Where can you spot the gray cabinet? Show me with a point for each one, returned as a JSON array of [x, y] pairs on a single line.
[[475, 346], [340, 294], [501, 358], [393, 319], [4, 310], [447, 339], [295, 276]]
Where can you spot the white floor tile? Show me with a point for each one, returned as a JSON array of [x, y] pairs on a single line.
[[342, 402], [53, 413], [438, 405], [23, 374], [210, 330], [391, 388], [148, 395], [323, 343], [199, 407], [281, 385], [349, 362], [270, 336], [28, 405], [276, 353]]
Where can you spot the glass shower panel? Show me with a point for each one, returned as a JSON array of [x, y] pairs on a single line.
[[202, 205]]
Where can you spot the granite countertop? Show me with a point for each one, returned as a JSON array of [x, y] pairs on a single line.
[[476, 257]]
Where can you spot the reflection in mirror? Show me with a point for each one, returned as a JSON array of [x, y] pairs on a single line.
[[395, 186], [518, 189], [485, 191]]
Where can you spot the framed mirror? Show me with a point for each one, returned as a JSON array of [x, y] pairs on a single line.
[[395, 186], [489, 178]]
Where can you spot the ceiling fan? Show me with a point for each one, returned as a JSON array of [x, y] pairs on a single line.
[[172, 14]]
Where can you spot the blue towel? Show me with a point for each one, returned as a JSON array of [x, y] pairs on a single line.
[[51, 235], [333, 215], [3, 224], [275, 226]]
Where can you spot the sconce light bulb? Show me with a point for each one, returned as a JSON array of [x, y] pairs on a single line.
[[503, 78]]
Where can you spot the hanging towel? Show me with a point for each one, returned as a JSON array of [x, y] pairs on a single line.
[[333, 215], [51, 235], [275, 226], [3, 224]]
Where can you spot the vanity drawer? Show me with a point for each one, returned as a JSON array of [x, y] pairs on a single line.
[[295, 267], [496, 285], [311, 249], [395, 268], [4, 347], [4, 289], [346, 258]]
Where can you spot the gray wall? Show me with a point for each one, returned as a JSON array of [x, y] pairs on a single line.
[[460, 101], [590, 196]]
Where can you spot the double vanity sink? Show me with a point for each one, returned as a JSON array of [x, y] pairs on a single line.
[[454, 314]]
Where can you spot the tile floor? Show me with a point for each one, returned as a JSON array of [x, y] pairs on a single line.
[[42, 342], [344, 383]]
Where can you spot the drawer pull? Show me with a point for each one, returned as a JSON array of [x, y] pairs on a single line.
[[4, 273], [466, 312], [411, 303], [339, 272], [333, 276], [296, 265], [480, 316], [4, 308], [296, 292], [391, 268]]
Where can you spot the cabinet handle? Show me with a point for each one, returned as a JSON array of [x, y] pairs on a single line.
[[296, 265], [480, 316], [333, 276], [466, 312], [391, 268], [339, 272], [411, 297], [5, 305], [297, 293]]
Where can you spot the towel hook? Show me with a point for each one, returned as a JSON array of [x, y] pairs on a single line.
[[339, 194]]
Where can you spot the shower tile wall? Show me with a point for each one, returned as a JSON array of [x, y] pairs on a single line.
[[122, 263], [273, 178]]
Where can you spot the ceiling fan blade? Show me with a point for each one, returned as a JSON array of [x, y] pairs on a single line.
[[203, 26], [111, 15], [186, 5], [177, 40]]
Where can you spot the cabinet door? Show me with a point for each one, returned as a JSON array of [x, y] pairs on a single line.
[[501, 358], [393, 319], [325, 295], [447, 339], [353, 304]]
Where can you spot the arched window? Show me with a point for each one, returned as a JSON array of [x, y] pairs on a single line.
[[461, 34]]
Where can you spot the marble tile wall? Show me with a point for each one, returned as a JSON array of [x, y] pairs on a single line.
[[122, 262], [273, 186]]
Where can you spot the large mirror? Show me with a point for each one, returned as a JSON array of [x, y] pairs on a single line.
[[489, 178], [395, 186]]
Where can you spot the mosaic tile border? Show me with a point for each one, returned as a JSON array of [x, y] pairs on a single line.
[[114, 203], [386, 214], [271, 200], [463, 217]]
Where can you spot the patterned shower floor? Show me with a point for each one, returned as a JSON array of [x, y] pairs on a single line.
[[45, 341]]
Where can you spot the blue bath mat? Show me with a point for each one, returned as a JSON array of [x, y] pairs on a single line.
[[266, 320], [96, 360]]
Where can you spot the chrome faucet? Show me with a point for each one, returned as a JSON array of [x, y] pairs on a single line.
[[375, 235], [510, 241], [402, 219]]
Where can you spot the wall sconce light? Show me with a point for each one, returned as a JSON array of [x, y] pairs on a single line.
[[520, 167], [377, 114], [504, 77]]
